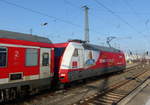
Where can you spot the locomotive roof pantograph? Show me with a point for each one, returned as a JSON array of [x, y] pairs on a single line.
[[22, 36]]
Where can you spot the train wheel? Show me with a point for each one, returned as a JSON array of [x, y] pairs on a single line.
[[7, 95], [84, 80], [60, 85], [13, 94], [1, 96]]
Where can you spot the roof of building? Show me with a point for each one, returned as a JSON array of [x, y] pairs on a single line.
[[22, 36]]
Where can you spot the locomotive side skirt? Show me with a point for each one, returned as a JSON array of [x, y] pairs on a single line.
[[82, 74]]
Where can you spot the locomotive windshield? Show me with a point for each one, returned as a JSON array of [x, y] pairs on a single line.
[[75, 54]]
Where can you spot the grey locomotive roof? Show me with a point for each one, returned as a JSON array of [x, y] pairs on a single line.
[[22, 36], [96, 47]]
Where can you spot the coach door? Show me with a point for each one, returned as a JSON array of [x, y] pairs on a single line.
[[45, 62]]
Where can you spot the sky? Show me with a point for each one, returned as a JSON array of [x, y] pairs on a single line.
[[127, 20]]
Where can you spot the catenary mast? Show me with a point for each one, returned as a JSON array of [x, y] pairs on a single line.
[[86, 25]]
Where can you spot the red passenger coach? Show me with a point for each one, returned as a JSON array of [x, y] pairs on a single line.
[[79, 60], [26, 63]]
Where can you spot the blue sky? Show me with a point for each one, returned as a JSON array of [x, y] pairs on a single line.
[[133, 35]]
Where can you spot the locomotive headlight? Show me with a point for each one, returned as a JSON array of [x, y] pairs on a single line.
[[62, 75]]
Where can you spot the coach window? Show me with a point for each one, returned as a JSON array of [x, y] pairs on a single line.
[[45, 60], [31, 57], [75, 54], [3, 57]]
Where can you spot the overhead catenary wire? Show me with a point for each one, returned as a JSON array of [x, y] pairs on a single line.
[[46, 15], [120, 12], [129, 13], [115, 13], [71, 4], [117, 16], [59, 19], [80, 8], [135, 13], [131, 8], [40, 13]]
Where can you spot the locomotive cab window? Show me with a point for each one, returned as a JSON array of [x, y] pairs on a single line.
[[45, 59], [75, 54], [3, 57], [31, 57]]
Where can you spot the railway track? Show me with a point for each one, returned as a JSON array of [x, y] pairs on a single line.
[[114, 94], [72, 94]]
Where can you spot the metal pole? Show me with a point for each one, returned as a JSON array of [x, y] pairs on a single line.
[[86, 24]]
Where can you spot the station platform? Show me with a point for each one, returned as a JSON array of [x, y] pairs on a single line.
[[142, 98]]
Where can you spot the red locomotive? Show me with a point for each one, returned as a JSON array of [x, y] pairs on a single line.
[[30, 63], [79, 60]]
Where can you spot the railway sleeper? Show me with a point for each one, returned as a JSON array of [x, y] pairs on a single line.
[[105, 101], [110, 98], [97, 102], [101, 103], [115, 94], [121, 92]]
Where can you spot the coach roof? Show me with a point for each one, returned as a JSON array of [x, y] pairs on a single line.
[[22, 36]]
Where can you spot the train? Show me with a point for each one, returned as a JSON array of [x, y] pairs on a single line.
[[79, 60], [30, 63]]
